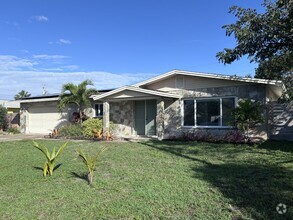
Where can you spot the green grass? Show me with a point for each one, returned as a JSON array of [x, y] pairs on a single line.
[[151, 180]]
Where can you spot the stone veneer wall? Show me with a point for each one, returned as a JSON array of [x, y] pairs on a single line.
[[121, 114], [173, 115]]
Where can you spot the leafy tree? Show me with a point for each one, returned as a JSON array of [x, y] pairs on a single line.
[[266, 38], [22, 94], [247, 115], [3, 117], [77, 95]]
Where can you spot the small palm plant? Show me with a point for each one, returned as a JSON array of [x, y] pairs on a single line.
[[90, 162], [51, 158]]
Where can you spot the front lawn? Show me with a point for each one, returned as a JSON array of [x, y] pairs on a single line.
[[169, 180]]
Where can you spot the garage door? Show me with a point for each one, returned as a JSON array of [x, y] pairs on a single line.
[[42, 120]]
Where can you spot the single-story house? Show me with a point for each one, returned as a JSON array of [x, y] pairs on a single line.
[[12, 107], [163, 106]]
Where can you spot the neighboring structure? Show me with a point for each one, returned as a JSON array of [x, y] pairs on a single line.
[[280, 121], [167, 105], [13, 108]]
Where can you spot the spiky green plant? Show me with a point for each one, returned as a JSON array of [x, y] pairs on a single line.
[[51, 158], [90, 162]]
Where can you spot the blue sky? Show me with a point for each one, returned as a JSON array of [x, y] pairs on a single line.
[[112, 42]]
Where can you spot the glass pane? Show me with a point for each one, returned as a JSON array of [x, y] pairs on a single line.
[[227, 105], [188, 113], [208, 112], [99, 110]]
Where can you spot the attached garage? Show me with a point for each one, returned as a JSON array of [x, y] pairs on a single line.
[[40, 115], [44, 119]]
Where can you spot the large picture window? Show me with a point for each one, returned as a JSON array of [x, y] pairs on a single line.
[[208, 112]]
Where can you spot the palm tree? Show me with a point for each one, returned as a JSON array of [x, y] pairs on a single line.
[[22, 94], [77, 95]]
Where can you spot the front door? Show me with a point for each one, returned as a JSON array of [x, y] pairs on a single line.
[[145, 117]]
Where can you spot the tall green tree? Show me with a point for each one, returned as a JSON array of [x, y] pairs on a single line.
[[22, 94], [266, 38], [79, 95]]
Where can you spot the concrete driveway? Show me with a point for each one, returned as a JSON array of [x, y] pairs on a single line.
[[18, 137]]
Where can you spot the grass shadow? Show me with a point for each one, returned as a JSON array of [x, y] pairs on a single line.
[[38, 168], [82, 176], [176, 150], [285, 146], [57, 166]]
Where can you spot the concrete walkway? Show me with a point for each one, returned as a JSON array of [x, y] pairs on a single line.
[[18, 137]]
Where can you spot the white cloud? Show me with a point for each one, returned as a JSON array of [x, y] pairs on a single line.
[[60, 41], [71, 67], [24, 51], [40, 18], [63, 41], [13, 23], [30, 74], [49, 57], [8, 62], [32, 81]]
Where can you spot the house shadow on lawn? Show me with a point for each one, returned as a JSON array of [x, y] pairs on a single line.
[[285, 146], [173, 148], [255, 189], [252, 188]]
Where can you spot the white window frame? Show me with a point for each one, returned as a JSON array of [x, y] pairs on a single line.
[[195, 117], [98, 116]]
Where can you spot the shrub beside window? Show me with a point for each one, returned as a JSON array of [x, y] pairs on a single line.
[[90, 125], [73, 130]]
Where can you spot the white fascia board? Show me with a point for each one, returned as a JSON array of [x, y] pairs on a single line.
[[39, 100]]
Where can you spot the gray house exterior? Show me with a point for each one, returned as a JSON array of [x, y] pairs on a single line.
[[169, 104], [182, 101]]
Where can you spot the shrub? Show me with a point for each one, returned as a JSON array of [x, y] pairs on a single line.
[[247, 115], [74, 130], [3, 117], [196, 135], [235, 136], [90, 125], [13, 130]]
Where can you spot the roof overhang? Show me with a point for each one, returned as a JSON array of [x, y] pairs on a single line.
[[39, 100], [208, 75], [137, 90]]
